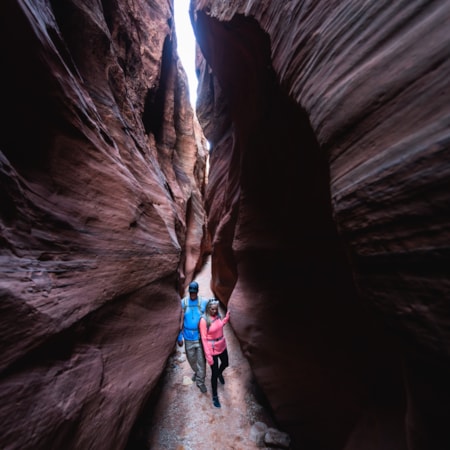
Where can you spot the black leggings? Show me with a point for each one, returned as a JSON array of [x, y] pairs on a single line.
[[216, 370]]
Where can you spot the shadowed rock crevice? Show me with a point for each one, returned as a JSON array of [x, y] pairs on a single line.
[[30, 107], [154, 106]]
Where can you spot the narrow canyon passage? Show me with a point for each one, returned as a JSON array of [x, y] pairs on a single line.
[[184, 418], [313, 169]]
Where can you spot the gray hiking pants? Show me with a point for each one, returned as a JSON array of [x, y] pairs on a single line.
[[196, 359]]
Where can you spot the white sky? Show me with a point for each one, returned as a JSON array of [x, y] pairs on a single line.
[[186, 44]]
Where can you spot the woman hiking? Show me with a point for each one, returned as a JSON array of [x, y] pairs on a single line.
[[214, 344]]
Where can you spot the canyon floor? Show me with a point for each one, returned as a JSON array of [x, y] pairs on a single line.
[[185, 419]]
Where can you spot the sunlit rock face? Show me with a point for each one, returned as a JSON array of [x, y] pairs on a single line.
[[328, 211], [102, 172]]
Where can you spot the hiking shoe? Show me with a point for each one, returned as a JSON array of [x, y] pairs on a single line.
[[216, 402], [194, 377], [221, 379], [202, 388]]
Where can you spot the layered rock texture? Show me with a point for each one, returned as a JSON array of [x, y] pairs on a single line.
[[102, 173], [328, 210]]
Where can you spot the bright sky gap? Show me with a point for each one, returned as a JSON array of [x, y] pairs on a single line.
[[186, 45]]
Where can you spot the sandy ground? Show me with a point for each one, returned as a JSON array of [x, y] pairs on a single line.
[[185, 419]]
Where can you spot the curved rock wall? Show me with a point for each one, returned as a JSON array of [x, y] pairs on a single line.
[[328, 210], [102, 172]]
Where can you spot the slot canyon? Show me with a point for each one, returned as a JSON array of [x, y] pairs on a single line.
[[313, 175]]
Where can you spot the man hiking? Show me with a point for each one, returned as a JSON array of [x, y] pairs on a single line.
[[193, 307]]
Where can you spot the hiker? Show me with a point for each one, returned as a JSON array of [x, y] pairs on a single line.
[[193, 307], [214, 344]]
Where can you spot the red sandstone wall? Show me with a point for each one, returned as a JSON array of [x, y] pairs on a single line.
[[102, 169], [328, 210]]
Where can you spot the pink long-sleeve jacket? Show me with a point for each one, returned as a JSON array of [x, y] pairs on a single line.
[[213, 340]]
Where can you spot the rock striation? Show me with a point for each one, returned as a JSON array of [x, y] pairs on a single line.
[[328, 208], [325, 212], [102, 175]]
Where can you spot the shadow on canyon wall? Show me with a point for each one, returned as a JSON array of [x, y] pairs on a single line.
[[325, 213]]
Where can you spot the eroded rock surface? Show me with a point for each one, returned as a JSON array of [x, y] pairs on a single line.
[[102, 171], [328, 210]]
